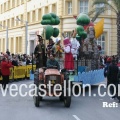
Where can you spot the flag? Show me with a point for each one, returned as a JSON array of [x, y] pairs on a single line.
[[99, 28]]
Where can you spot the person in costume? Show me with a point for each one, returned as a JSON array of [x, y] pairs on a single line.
[[39, 53], [75, 45], [58, 51], [49, 47], [69, 61]]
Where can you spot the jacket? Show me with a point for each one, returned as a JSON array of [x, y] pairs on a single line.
[[112, 73], [5, 67], [51, 63]]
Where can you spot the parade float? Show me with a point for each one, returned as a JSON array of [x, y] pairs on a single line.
[[86, 34]]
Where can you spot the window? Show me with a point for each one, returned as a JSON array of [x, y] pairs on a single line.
[[21, 17], [83, 6], [0, 44], [22, 1], [69, 8], [17, 22], [46, 10], [8, 23], [101, 42], [39, 14], [4, 24], [13, 3], [33, 16], [3, 48], [16, 3], [54, 10], [12, 22], [18, 44], [99, 6], [5, 6], [28, 16], [2, 8], [8, 5], [12, 45]]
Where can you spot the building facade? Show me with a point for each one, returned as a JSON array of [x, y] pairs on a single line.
[[15, 14]]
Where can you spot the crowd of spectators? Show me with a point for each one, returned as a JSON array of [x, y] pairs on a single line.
[[18, 59], [104, 59]]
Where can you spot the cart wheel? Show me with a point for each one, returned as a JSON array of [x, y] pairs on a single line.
[[36, 101], [40, 98], [61, 98], [67, 100]]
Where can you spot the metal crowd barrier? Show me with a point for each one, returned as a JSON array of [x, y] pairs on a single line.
[[19, 72], [29, 68]]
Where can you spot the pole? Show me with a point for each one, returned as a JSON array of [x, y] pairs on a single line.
[[7, 42], [32, 64], [26, 37]]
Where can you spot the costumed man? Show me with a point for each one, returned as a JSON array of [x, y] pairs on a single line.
[[58, 51], [49, 47], [39, 53], [69, 61], [75, 45]]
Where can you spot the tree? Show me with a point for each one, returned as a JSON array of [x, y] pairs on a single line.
[[113, 5]]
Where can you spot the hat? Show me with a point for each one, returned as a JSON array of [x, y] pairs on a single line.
[[40, 37], [109, 59], [58, 39], [67, 42]]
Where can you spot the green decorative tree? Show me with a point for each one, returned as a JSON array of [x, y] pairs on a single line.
[[82, 20], [49, 20]]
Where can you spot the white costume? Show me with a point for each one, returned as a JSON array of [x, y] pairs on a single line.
[[75, 47]]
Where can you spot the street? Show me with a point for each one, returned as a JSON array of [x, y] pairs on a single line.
[[82, 108]]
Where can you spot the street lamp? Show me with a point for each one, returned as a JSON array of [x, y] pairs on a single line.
[[26, 32], [7, 42]]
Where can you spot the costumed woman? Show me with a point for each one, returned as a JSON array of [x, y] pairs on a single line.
[[69, 61]]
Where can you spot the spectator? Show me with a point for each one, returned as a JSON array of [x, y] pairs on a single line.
[[14, 61], [28, 61], [112, 76], [8, 53], [5, 65], [118, 64], [106, 67]]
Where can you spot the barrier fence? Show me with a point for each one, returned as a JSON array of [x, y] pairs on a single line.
[[18, 72]]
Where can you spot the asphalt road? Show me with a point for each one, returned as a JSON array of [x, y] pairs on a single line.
[[82, 108]]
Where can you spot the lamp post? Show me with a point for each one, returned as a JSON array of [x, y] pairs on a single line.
[[26, 33], [7, 42]]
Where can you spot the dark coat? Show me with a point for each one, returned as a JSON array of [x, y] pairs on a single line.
[[40, 58], [112, 73], [15, 63]]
